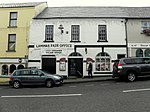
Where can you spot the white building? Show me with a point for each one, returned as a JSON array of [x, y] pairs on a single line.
[[64, 39]]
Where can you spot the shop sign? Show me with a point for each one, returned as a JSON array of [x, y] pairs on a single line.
[[53, 52], [139, 45], [56, 49], [55, 45]]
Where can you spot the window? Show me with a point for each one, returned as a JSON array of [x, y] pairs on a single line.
[[75, 32], [13, 19], [138, 61], [4, 69], [145, 25], [49, 29], [102, 33], [12, 68], [25, 72], [146, 60], [11, 42], [102, 62], [147, 52], [139, 53]]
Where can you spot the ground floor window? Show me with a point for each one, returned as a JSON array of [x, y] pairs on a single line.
[[143, 52], [8, 69], [102, 62], [147, 52], [12, 68], [4, 69], [139, 53]]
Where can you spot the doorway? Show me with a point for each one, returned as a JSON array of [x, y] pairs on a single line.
[[49, 64], [75, 65]]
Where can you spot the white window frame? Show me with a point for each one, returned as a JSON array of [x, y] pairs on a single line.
[[13, 19], [102, 33], [145, 25], [102, 65], [49, 33], [75, 33]]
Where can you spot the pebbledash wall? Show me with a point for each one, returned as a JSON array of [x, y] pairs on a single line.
[[68, 58]]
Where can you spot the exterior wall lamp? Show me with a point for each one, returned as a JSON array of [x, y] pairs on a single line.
[[61, 28]]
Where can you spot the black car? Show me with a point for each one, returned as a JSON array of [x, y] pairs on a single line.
[[131, 68], [34, 77]]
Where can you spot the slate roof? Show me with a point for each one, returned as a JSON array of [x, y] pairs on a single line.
[[20, 5], [94, 12]]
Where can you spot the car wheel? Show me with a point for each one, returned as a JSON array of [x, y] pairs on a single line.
[[131, 77], [49, 83], [16, 84]]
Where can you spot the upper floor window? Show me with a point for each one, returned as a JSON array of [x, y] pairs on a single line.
[[102, 33], [145, 25], [75, 33], [11, 42], [49, 31], [13, 19]]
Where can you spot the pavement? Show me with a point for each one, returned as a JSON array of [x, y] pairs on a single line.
[[4, 81]]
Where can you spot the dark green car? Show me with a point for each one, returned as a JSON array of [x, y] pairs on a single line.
[[34, 77]]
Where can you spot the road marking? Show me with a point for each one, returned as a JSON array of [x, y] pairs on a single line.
[[136, 90], [72, 86], [36, 96], [89, 85], [104, 84]]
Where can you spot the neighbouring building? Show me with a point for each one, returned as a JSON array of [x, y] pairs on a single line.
[[15, 21], [138, 31], [64, 39]]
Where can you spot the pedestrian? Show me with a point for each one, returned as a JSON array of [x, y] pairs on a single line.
[[90, 68]]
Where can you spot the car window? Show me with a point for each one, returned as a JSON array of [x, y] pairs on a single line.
[[25, 72], [129, 61], [34, 72], [15, 73], [146, 60], [138, 61]]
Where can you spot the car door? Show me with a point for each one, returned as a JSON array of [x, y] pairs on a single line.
[[146, 62], [38, 77], [26, 76]]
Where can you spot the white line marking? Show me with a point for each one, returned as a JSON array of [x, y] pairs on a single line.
[[136, 90], [105, 84], [34, 96], [89, 85], [72, 86]]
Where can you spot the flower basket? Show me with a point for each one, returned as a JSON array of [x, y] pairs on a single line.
[[146, 32]]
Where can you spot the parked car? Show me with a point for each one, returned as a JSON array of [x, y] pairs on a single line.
[[131, 68], [34, 77]]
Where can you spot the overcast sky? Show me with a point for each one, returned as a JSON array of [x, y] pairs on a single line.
[[58, 3]]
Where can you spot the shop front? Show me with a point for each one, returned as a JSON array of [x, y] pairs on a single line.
[[139, 49], [7, 66]]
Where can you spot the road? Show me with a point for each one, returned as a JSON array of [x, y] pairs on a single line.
[[106, 96]]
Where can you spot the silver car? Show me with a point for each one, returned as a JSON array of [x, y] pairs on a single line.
[[34, 77]]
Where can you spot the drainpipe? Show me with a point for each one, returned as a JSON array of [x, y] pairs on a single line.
[[126, 35]]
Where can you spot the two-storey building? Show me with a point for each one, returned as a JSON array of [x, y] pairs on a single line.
[[15, 21], [138, 31], [64, 39]]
